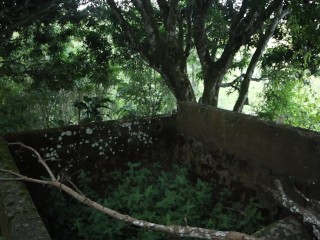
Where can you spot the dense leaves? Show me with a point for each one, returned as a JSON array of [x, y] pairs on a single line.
[[152, 194], [140, 53]]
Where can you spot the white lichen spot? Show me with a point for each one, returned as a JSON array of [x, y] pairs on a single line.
[[100, 140], [127, 124], [89, 131], [220, 234], [138, 223], [58, 146], [59, 138], [94, 144], [68, 133], [86, 141]]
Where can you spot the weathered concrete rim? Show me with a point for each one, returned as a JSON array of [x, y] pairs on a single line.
[[288, 151], [19, 218]]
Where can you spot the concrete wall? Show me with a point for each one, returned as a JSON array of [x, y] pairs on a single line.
[[98, 147], [282, 150], [101, 142], [19, 219], [234, 148]]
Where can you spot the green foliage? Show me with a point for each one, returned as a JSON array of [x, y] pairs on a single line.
[[92, 108], [154, 195], [143, 93], [290, 100]]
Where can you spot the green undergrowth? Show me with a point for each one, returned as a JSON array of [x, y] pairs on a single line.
[[151, 194]]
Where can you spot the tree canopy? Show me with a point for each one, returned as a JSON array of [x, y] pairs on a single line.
[[69, 45]]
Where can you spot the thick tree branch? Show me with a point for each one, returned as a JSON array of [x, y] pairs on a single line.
[[125, 27], [188, 39], [200, 34], [310, 217], [171, 22], [147, 14], [262, 44], [180, 231], [164, 9]]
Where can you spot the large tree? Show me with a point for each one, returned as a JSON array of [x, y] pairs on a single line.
[[164, 32], [242, 23], [160, 33]]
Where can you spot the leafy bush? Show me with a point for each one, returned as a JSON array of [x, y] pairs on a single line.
[[290, 100], [92, 108], [154, 195]]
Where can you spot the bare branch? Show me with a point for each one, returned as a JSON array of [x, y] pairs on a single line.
[[19, 177], [40, 160], [74, 186], [181, 231]]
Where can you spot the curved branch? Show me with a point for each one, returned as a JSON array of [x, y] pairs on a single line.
[[175, 230], [310, 218], [40, 160]]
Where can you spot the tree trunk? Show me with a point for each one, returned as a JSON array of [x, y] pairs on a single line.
[[211, 88], [178, 82], [247, 22], [165, 45], [263, 41]]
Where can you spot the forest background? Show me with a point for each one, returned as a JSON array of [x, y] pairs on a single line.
[[64, 62]]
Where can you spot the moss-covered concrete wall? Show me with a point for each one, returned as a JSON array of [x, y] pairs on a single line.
[[95, 147], [269, 150], [19, 219], [237, 150], [100, 145]]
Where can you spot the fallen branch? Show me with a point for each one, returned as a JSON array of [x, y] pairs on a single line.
[[181, 231], [310, 218]]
